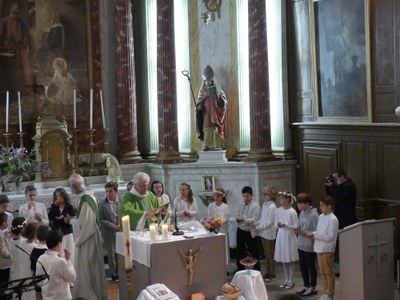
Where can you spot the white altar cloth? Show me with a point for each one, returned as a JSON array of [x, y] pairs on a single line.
[[141, 243], [251, 283]]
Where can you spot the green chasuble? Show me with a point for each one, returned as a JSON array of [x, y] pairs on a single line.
[[135, 207], [89, 200]]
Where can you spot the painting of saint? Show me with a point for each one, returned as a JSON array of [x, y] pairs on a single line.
[[43, 50]]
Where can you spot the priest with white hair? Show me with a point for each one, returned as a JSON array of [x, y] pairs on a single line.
[[140, 204], [89, 264]]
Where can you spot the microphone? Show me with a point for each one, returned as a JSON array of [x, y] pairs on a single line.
[[40, 277], [177, 231]]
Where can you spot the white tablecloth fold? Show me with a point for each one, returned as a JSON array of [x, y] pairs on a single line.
[[251, 283]]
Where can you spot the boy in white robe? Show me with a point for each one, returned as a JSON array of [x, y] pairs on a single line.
[[61, 271]]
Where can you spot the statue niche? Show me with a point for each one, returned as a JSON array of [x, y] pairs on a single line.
[[52, 142]]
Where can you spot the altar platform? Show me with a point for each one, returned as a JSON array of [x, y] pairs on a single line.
[[161, 262]]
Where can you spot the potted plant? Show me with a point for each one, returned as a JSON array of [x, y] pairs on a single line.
[[18, 164]]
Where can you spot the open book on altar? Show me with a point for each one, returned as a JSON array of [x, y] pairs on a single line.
[[160, 292]]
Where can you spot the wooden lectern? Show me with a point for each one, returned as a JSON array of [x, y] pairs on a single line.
[[367, 260]]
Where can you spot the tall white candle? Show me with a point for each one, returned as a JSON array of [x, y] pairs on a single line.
[[19, 111], [74, 108], [126, 229], [91, 109], [102, 109], [152, 229], [7, 108], [164, 232]]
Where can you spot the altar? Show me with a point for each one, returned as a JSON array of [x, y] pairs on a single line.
[[161, 262]]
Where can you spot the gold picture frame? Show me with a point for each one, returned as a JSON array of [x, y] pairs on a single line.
[[207, 183], [341, 60]]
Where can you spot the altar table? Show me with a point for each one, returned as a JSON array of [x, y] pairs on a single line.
[[161, 262]]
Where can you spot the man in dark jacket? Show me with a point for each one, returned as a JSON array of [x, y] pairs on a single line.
[[343, 190]]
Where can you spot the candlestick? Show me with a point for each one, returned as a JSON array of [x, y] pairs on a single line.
[[91, 109], [74, 109], [177, 231], [164, 232], [21, 139], [103, 117], [152, 229], [76, 156], [92, 169], [7, 108], [7, 138], [19, 111], [106, 142], [129, 284], [126, 229]]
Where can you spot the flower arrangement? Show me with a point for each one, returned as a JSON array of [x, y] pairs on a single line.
[[212, 224], [17, 164]]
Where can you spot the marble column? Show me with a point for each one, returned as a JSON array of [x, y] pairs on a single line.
[[166, 84], [260, 129], [277, 63], [126, 89]]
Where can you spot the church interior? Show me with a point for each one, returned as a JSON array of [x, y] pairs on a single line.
[[309, 86]]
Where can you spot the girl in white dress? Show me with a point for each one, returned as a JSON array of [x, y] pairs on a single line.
[[220, 209], [16, 230], [185, 205], [286, 220]]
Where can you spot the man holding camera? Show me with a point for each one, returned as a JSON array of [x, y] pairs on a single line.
[[343, 190]]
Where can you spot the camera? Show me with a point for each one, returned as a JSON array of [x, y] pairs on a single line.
[[329, 178]]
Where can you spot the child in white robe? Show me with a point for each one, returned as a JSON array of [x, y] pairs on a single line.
[[60, 270], [286, 220]]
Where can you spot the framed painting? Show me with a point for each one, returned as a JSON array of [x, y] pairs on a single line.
[[342, 69], [207, 183], [51, 59]]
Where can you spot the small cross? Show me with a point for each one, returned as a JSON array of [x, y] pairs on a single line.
[[128, 247]]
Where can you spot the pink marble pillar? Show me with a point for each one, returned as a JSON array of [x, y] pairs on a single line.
[[260, 129], [126, 89], [166, 81]]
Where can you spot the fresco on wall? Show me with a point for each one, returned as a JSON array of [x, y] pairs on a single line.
[[341, 43], [43, 54]]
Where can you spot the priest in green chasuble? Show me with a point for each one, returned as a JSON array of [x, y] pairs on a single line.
[[139, 203], [90, 280]]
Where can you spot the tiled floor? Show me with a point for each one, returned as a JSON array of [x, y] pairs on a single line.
[[274, 292]]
